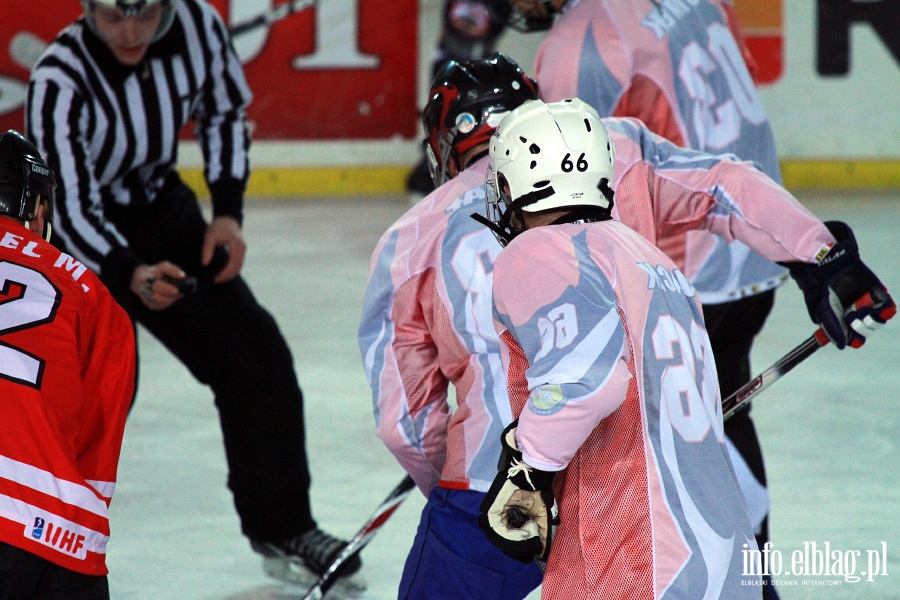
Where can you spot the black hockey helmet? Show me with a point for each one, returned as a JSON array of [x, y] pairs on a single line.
[[25, 180], [467, 101]]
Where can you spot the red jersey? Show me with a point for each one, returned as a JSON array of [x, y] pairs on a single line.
[[67, 369]]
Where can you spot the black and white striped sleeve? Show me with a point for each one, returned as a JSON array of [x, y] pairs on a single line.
[[221, 114], [58, 120]]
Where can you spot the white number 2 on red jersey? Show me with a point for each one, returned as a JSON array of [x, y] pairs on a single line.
[[27, 299]]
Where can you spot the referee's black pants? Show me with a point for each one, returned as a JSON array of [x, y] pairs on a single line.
[[232, 344], [732, 326]]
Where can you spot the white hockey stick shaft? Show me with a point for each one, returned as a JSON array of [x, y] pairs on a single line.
[[782, 366], [362, 537]]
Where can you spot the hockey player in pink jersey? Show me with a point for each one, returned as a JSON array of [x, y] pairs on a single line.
[[680, 67], [426, 324], [426, 321], [612, 380]]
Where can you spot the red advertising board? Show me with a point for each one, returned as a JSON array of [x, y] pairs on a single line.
[[762, 22], [341, 69]]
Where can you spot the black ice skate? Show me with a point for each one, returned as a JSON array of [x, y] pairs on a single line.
[[302, 559]]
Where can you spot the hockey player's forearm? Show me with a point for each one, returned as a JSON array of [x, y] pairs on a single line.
[[755, 210]]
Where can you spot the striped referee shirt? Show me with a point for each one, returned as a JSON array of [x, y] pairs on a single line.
[[110, 131]]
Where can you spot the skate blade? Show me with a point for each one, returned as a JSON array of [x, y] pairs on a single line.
[[294, 572]]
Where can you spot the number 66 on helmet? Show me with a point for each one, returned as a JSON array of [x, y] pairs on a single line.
[[547, 156]]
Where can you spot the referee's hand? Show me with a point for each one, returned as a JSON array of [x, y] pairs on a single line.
[[225, 231], [148, 282]]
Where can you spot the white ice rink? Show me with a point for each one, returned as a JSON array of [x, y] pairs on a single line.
[[829, 429]]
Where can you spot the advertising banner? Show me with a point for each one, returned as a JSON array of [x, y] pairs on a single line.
[[762, 23], [340, 69]]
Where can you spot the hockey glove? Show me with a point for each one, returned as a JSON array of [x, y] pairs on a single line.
[[842, 294], [519, 515]]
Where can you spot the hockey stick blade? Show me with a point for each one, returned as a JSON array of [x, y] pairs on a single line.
[[749, 390], [276, 14], [362, 537]]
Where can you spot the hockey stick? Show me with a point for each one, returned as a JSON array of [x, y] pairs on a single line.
[[749, 390], [362, 537], [276, 14]]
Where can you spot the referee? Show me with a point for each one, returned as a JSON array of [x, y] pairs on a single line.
[[105, 105]]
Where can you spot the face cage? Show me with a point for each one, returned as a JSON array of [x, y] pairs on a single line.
[[440, 171], [499, 209]]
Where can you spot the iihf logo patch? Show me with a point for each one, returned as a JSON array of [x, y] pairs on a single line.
[[38, 530], [59, 536]]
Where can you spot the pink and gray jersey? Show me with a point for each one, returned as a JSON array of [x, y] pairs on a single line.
[[426, 319], [611, 376], [426, 324], [679, 67], [663, 191]]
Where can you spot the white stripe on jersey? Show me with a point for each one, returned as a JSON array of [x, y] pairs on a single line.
[[46, 483]]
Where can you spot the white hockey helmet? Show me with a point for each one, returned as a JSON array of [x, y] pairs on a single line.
[[132, 8], [548, 156]]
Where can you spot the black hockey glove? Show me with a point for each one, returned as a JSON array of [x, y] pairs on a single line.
[[842, 294], [519, 515]]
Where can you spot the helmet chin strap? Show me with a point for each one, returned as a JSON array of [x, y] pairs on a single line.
[[503, 236], [504, 229]]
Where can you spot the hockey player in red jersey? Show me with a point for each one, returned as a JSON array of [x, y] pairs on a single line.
[[66, 382]]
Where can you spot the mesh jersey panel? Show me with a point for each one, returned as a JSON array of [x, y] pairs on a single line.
[[603, 547]]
